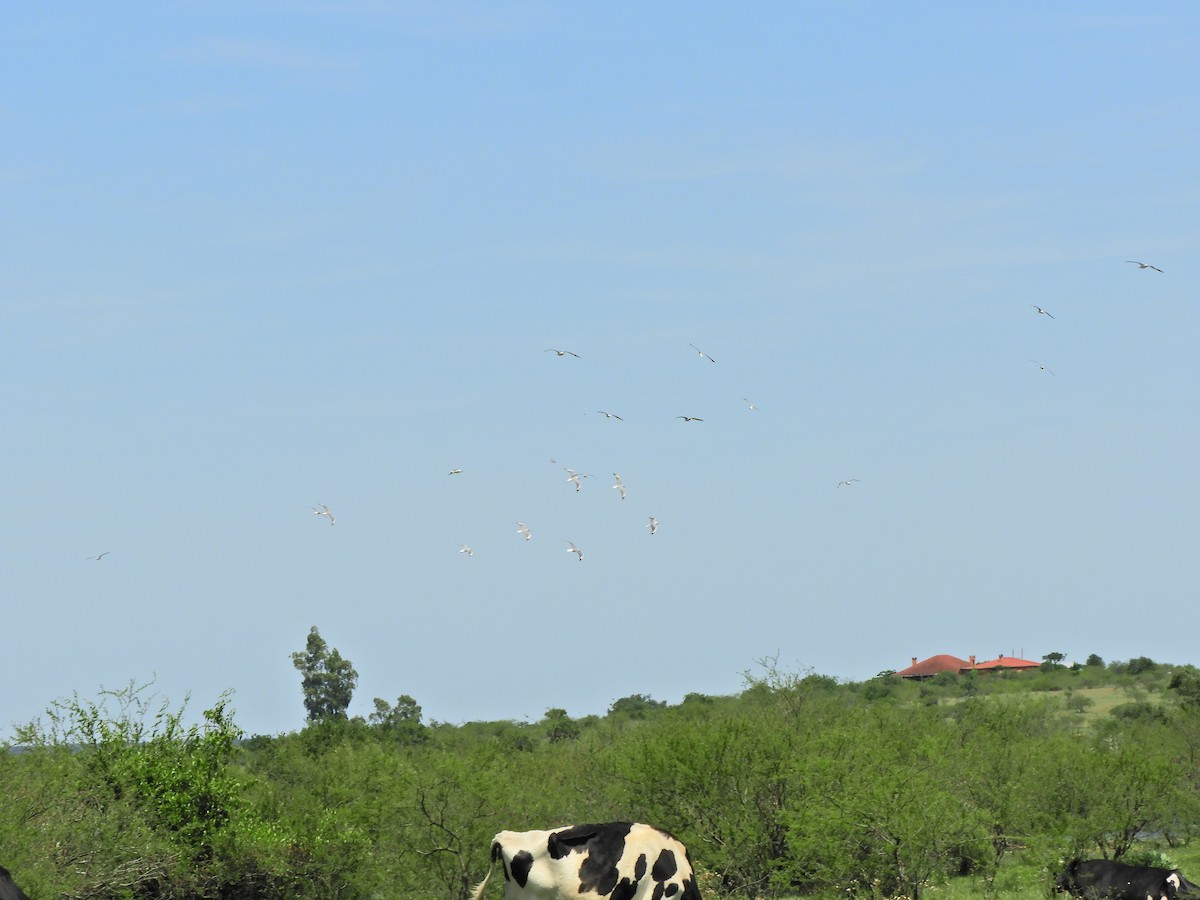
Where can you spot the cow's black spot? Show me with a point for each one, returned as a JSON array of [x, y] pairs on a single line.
[[602, 846], [624, 890], [639, 867], [672, 888], [657, 893], [521, 864], [665, 866], [584, 837], [560, 843], [595, 875]]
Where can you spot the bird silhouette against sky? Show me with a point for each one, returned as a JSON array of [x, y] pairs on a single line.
[[1142, 265], [652, 525], [1041, 312], [324, 511], [703, 355], [609, 415], [524, 529], [690, 418], [101, 555], [563, 353], [573, 549]]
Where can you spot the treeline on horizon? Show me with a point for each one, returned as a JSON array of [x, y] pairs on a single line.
[[800, 785]]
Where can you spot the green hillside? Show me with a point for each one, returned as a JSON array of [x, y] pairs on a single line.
[[798, 786]]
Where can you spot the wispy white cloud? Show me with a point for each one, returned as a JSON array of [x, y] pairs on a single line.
[[696, 160], [254, 54], [200, 104], [608, 252], [445, 18]]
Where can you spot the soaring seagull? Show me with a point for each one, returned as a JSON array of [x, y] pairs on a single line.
[[324, 511], [1041, 366], [750, 404], [467, 550], [101, 556], [524, 529], [609, 415], [619, 485], [562, 353], [575, 550], [703, 355], [454, 472], [652, 524], [847, 482], [689, 418], [1041, 312], [1142, 265], [573, 477]]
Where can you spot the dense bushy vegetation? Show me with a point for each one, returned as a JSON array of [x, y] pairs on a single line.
[[798, 786]]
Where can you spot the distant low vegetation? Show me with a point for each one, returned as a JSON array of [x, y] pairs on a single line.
[[798, 786]]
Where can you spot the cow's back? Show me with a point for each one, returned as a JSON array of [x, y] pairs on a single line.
[[613, 861], [1102, 879]]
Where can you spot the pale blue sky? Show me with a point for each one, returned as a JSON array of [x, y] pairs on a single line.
[[260, 257]]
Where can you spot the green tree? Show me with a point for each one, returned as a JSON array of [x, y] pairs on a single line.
[[402, 721], [999, 771], [560, 726], [1053, 660], [1121, 784], [1186, 685], [882, 816], [720, 784], [136, 803], [1078, 702], [1140, 664], [635, 706], [328, 680], [1094, 659]]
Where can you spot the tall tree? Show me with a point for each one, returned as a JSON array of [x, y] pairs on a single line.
[[328, 682]]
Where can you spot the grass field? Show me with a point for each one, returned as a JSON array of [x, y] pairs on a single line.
[[1021, 879]]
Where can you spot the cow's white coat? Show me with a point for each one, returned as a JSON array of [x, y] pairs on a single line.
[[559, 879]]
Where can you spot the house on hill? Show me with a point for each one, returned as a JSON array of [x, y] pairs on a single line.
[[1010, 663], [935, 665], [944, 662]]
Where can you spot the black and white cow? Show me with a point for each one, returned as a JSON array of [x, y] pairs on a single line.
[[8, 887], [616, 861], [1102, 879]]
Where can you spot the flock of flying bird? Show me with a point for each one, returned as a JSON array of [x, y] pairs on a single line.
[[1041, 312], [574, 477]]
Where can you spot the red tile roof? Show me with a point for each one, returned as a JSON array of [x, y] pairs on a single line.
[[1007, 662], [943, 662]]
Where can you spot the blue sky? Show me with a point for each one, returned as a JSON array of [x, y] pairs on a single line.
[[256, 258]]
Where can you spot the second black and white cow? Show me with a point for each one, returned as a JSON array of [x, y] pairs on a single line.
[[8, 887], [1102, 879], [614, 861]]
